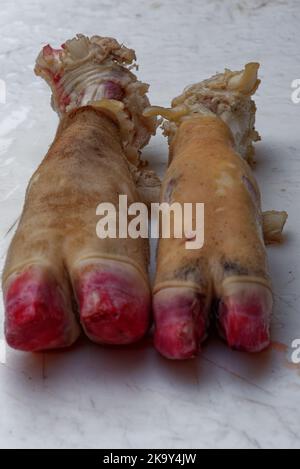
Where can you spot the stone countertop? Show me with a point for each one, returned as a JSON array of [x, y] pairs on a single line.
[[93, 397]]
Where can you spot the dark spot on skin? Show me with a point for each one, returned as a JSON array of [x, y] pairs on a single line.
[[191, 272], [169, 189], [251, 189], [234, 268]]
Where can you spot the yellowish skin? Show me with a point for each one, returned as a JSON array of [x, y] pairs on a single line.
[[206, 169], [84, 167], [232, 265], [211, 130]]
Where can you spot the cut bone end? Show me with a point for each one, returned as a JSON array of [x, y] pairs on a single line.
[[37, 317], [226, 95], [114, 305], [246, 81], [180, 323], [244, 317], [89, 70]]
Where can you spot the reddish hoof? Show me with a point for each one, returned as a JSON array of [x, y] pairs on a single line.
[[36, 316], [114, 307], [180, 323], [244, 319]]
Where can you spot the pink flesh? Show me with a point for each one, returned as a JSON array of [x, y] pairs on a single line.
[[180, 325], [113, 91], [35, 313], [113, 309], [246, 325], [48, 51]]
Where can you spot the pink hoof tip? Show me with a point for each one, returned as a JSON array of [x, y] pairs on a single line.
[[176, 341], [245, 328], [180, 324], [113, 310], [35, 316]]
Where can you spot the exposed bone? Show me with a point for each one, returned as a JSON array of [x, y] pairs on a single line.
[[227, 95], [245, 82], [80, 73]]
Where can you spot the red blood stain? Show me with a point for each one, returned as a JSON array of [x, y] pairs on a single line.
[[49, 51], [113, 91], [56, 77], [245, 327], [180, 326], [65, 101], [35, 317]]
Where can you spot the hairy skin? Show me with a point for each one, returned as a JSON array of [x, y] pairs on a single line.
[[58, 274], [56, 255]]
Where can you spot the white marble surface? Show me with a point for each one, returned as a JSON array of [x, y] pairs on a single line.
[[95, 397]]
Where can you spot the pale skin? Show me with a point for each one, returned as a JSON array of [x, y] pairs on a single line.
[[58, 273], [60, 277]]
